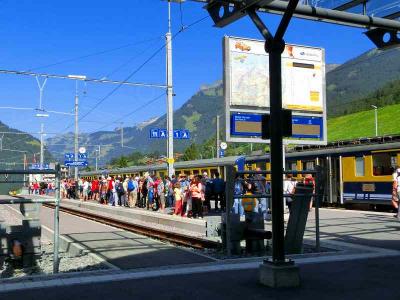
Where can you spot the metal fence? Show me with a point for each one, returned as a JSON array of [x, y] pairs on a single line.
[[56, 201], [233, 176]]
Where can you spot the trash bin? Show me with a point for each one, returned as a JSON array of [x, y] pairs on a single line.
[[298, 218]]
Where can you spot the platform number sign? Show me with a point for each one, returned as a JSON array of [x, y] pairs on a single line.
[[161, 133]]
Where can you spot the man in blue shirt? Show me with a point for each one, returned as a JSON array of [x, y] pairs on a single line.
[[219, 192]]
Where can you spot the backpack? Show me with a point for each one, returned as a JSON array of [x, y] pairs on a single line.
[[119, 188], [131, 187], [209, 187]]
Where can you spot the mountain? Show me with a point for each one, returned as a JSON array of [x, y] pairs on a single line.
[[348, 85], [12, 144], [359, 78], [198, 115]]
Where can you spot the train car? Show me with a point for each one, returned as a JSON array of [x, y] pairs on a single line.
[[210, 166], [355, 171]]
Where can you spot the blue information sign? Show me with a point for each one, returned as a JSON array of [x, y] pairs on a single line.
[[221, 153], [163, 133], [307, 127], [38, 167], [76, 163], [159, 133], [154, 133], [177, 134], [185, 134], [82, 156], [245, 124], [69, 156]]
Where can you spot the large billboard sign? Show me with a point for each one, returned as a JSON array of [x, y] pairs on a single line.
[[246, 89]]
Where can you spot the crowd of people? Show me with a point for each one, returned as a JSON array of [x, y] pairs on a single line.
[[188, 196], [258, 185], [41, 188], [184, 195]]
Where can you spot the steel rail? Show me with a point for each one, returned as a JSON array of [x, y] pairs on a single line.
[[174, 237]]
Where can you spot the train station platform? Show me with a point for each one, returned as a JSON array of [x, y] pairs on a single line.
[[364, 264], [154, 219], [355, 279]]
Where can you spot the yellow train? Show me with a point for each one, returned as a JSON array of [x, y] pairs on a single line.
[[356, 171]]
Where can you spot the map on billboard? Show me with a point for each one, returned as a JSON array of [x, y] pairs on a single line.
[[303, 75]]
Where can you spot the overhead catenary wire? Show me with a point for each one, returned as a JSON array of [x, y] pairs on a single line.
[[128, 61], [134, 111], [85, 79], [138, 69], [95, 53]]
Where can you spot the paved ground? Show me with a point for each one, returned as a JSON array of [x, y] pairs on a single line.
[[374, 278], [358, 227], [361, 279], [123, 249]]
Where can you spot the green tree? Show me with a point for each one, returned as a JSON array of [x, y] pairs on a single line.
[[191, 153], [122, 162]]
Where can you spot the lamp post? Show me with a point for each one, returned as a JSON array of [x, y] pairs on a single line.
[[376, 118]]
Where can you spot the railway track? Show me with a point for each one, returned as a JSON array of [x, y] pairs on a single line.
[[173, 237]]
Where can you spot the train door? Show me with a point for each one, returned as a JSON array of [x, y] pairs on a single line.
[[333, 179]]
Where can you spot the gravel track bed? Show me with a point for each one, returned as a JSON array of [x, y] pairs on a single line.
[[44, 264]]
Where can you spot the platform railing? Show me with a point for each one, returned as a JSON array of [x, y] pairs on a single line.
[[56, 200], [232, 176]]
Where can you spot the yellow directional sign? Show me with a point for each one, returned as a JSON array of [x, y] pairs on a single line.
[[170, 160]]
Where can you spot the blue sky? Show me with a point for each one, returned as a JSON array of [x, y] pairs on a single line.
[[34, 34]]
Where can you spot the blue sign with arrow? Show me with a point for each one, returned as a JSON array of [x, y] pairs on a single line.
[[76, 163]]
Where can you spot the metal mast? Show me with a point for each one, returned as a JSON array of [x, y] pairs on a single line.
[[41, 146], [41, 114], [170, 109], [218, 139], [76, 129]]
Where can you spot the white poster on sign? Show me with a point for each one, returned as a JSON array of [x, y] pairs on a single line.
[[302, 76], [247, 91]]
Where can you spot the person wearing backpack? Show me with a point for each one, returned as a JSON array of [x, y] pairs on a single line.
[[132, 192], [119, 188], [161, 193], [124, 197], [219, 192], [208, 191]]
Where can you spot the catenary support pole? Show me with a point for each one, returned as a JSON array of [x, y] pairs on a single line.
[[41, 145], [218, 139], [170, 109], [56, 220], [76, 138]]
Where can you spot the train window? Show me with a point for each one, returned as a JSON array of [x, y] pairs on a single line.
[[291, 165], [162, 174], [187, 172], [212, 172], [383, 163], [204, 170], [260, 165], [308, 165], [360, 166], [195, 172]]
